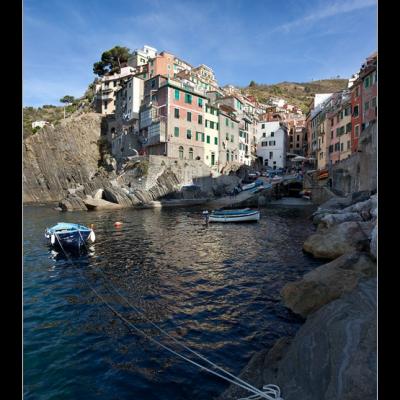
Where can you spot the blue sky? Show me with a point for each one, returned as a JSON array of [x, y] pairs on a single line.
[[267, 41]]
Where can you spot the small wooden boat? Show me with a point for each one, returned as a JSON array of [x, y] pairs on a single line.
[[69, 235], [242, 215]]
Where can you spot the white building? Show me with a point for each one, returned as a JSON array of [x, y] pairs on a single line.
[[272, 144], [39, 124], [142, 56]]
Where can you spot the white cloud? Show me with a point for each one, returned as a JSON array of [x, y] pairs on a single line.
[[330, 10]]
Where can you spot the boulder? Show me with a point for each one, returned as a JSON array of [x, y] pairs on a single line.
[[118, 196], [362, 206], [332, 356], [72, 203], [373, 244], [328, 220], [100, 204], [339, 239], [327, 283], [99, 194]]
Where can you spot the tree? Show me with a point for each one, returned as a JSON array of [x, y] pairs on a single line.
[[111, 61], [252, 84], [67, 99]]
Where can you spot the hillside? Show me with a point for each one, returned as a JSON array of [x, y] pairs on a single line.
[[299, 94]]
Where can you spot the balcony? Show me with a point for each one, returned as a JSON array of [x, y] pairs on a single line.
[[106, 90]]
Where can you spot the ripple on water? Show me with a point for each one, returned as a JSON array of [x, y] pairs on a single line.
[[216, 287]]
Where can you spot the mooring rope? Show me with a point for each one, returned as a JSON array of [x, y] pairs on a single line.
[[257, 394]]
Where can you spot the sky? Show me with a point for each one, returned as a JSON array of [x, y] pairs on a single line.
[[267, 41]]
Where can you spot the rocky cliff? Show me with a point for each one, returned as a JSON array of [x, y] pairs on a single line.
[[61, 158]]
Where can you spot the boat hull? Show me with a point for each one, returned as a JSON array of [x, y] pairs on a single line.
[[74, 237], [252, 216]]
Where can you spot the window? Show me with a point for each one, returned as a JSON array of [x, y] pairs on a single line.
[[181, 152], [341, 146], [264, 134], [367, 82], [298, 137], [232, 125], [297, 145], [348, 127], [208, 138], [217, 125], [347, 111], [226, 122], [206, 123], [198, 136], [215, 140], [357, 130], [348, 145], [153, 83], [189, 134], [176, 112], [200, 102], [188, 98], [355, 112], [200, 119], [331, 134], [272, 134], [373, 102], [366, 106], [358, 91], [176, 94], [271, 154], [227, 155], [189, 116], [227, 136], [232, 138], [211, 124], [176, 131], [331, 148], [262, 126], [337, 131], [190, 153]]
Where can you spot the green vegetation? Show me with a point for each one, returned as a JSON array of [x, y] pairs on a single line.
[[111, 61], [297, 94]]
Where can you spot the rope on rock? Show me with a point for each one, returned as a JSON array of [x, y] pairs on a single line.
[[257, 394]]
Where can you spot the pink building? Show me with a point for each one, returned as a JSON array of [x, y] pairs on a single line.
[[172, 119]]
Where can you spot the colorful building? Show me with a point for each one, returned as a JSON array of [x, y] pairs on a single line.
[[211, 133], [172, 119]]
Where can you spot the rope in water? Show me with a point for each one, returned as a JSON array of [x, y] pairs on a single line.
[[257, 394]]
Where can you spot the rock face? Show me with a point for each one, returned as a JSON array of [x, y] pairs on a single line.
[[327, 283], [332, 356], [339, 239], [61, 158]]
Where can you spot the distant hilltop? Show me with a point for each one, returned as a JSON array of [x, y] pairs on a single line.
[[298, 94]]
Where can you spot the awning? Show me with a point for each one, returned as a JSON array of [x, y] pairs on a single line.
[[299, 158]]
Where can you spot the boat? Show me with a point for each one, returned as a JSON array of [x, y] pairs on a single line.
[[238, 215], [69, 235], [252, 185]]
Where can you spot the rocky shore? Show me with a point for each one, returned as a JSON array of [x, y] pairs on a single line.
[[333, 355]]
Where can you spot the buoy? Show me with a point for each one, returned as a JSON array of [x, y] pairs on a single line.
[[117, 223], [92, 236], [52, 239]]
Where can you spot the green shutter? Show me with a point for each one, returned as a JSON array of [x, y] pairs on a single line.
[[176, 131], [208, 139], [200, 102], [189, 134], [226, 122], [176, 94], [200, 119], [215, 140], [202, 137]]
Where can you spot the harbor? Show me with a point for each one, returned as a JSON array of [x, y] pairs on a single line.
[[219, 293]]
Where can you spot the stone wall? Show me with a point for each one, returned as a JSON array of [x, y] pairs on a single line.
[[359, 171]]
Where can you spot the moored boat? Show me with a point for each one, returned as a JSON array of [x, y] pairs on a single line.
[[68, 235], [239, 215]]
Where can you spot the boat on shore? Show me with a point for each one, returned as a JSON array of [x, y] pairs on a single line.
[[69, 235], [238, 215]]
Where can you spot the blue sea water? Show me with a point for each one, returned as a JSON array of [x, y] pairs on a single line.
[[215, 287]]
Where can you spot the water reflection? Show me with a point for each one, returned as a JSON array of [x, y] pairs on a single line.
[[216, 287]]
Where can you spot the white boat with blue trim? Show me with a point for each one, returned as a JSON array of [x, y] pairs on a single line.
[[238, 215]]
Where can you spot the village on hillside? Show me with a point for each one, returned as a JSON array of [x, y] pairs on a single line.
[[159, 104]]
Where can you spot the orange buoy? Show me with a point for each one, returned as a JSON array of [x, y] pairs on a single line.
[[117, 223]]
